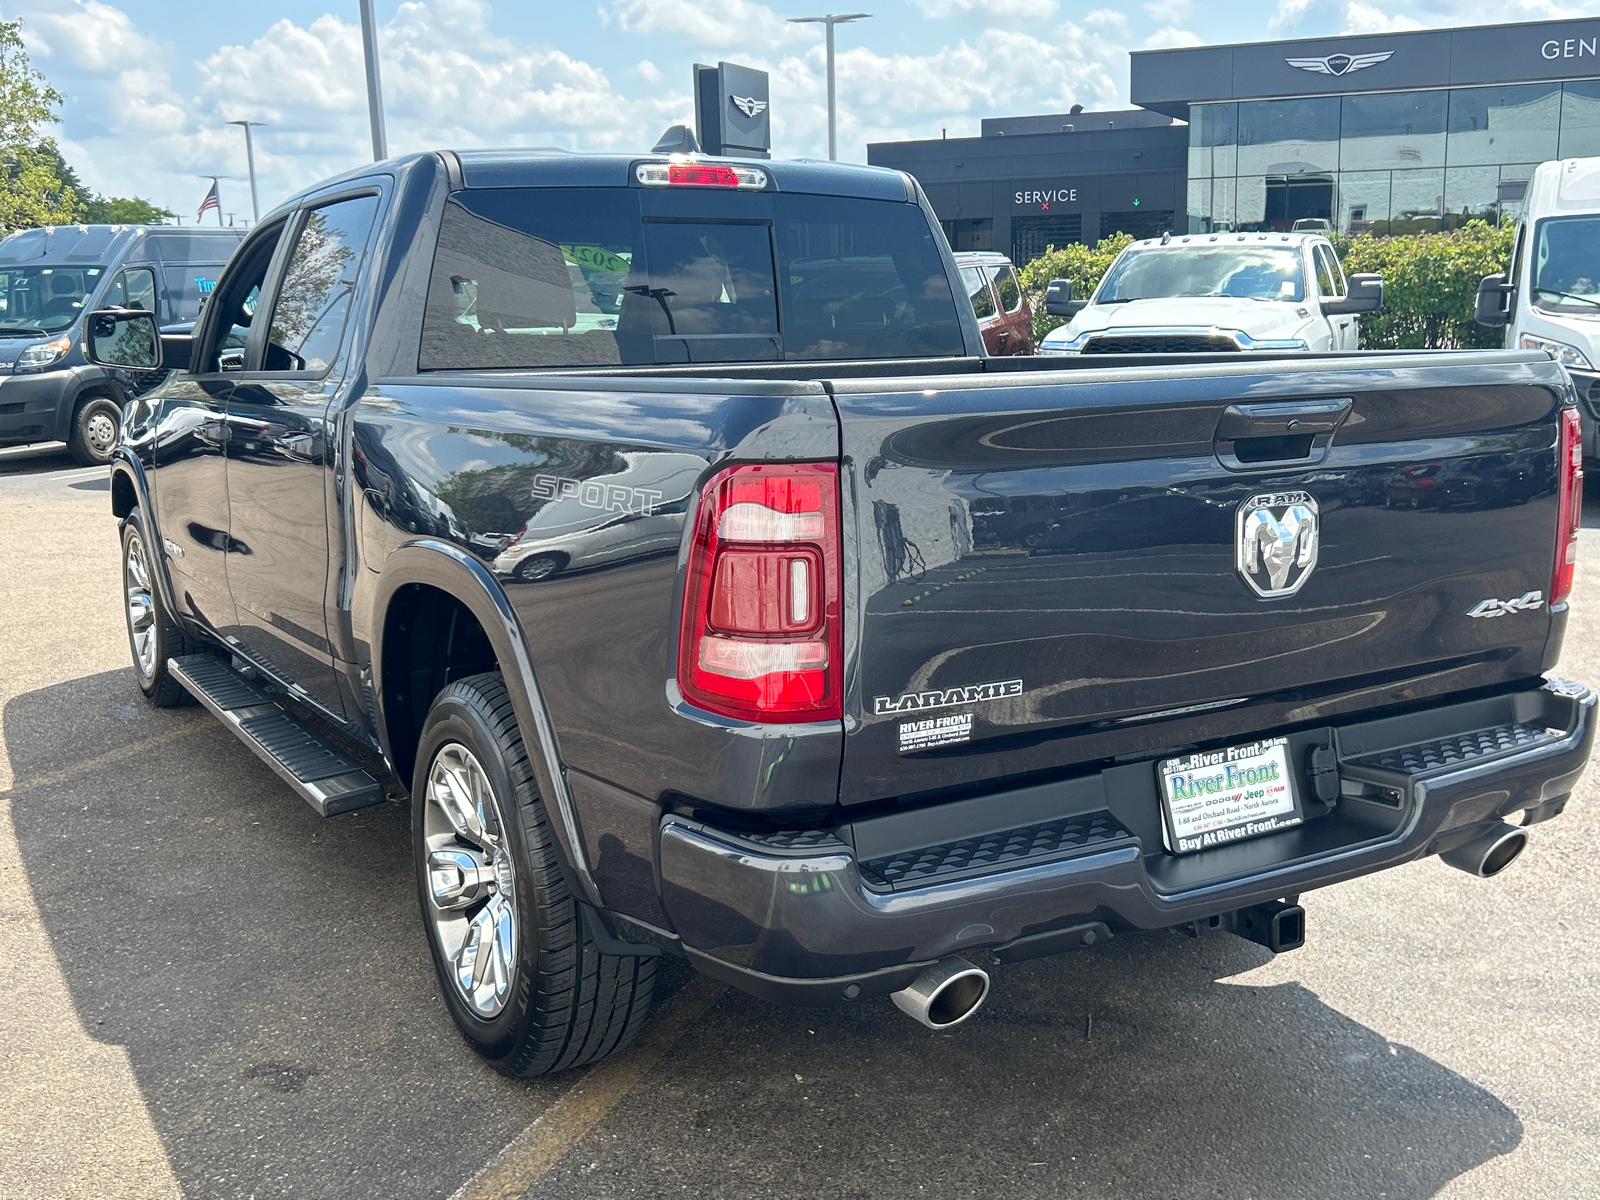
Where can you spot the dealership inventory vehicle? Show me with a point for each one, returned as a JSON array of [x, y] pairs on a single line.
[[1210, 292], [48, 279], [1549, 298], [1005, 318], [859, 727]]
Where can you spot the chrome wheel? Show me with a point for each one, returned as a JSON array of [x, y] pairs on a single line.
[[471, 881], [141, 608], [100, 431]]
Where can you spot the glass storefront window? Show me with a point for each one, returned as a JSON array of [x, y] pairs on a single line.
[[1580, 119], [1398, 129], [1288, 137], [1416, 201], [1201, 218], [1489, 124], [1363, 202], [1250, 203], [1471, 192], [1213, 140]]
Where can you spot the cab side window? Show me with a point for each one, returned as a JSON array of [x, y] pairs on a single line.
[[233, 305], [309, 311], [1006, 287], [134, 288], [1325, 277]]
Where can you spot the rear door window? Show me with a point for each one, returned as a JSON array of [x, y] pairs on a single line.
[[1005, 286], [977, 286], [572, 277]]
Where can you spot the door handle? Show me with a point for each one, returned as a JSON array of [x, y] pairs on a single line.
[[1298, 433], [1280, 420], [299, 445]]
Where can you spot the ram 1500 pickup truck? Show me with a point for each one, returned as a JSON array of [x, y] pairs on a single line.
[[856, 661]]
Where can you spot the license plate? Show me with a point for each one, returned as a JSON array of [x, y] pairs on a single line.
[[1222, 796]]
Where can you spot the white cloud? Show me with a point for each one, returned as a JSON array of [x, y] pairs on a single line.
[[648, 71], [1168, 37], [725, 24], [991, 11], [1170, 12], [1365, 18], [1371, 16]]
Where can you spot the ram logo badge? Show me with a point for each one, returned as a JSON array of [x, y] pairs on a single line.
[[945, 697], [1277, 539], [1504, 608]]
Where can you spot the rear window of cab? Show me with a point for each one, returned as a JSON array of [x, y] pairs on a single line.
[[576, 277]]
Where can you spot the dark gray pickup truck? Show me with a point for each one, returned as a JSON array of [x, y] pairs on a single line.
[[662, 528]]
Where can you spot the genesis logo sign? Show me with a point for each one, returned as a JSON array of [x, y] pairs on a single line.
[[748, 105], [1340, 64]]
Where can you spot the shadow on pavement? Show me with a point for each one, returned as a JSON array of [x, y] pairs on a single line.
[[35, 459], [267, 974]]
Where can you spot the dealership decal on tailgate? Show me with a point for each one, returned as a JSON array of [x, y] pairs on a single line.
[[1227, 795], [935, 731]]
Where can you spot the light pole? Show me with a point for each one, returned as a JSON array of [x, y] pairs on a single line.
[[250, 157], [830, 21], [369, 50]]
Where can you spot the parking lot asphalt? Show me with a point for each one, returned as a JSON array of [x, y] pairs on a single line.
[[207, 991]]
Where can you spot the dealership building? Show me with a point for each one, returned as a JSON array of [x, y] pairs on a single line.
[[1387, 133]]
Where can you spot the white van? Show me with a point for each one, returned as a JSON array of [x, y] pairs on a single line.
[[1550, 299], [1206, 292]]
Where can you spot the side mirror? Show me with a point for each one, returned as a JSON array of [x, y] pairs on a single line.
[[1365, 296], [119, 337], [1493, 307], [1058, 301]]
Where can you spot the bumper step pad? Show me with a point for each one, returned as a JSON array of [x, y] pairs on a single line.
[[326, 778], [1457, 751], [1004, 850]]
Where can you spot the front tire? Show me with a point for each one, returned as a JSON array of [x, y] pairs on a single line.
[[153, 636], [523, 979], [96, 426]]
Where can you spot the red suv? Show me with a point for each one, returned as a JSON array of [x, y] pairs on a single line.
[[1003, 313]]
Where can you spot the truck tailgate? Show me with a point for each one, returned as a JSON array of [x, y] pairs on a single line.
[[1050, 575]]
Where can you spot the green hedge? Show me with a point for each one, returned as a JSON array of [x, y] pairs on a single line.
[[1430, 283]]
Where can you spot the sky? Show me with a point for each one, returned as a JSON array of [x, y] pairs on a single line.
[[151, 84]]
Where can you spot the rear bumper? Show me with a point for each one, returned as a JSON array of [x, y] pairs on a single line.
[[797, 919]]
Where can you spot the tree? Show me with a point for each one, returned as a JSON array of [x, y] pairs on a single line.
[[1084, 265], [124, 210], [33, 190]]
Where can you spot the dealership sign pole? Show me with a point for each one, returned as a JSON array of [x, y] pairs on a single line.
[[829, 22], [369, 49]]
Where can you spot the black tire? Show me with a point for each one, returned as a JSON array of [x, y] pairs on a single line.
[[96, 426], [567, 1004], [144, 614], [539, 566]]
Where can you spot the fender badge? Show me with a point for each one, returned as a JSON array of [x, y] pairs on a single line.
[[1504, 608], [945, 697]]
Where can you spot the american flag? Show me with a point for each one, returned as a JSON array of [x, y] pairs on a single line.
[[210, 202]]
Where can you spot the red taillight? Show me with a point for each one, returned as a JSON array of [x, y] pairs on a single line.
[[1570, 469], [699, 174], [761, 637]]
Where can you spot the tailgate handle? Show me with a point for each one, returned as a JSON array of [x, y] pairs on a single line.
[[1252, 436]]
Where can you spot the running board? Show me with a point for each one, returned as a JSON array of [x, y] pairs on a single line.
[[328, 779]]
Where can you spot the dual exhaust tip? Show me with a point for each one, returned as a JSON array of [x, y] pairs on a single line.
[[951, 990], [944, 995], [1490, 852]]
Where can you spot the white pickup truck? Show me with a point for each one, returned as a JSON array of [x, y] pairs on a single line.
[[1205, 292]]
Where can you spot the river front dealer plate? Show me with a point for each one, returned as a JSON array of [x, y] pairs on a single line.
[[1221, 796]]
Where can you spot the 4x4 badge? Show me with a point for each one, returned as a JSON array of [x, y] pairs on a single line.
[[1276, 540], [1504, 608]]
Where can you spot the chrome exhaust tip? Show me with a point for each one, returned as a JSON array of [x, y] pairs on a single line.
[[944, 995], [1490, 852]]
